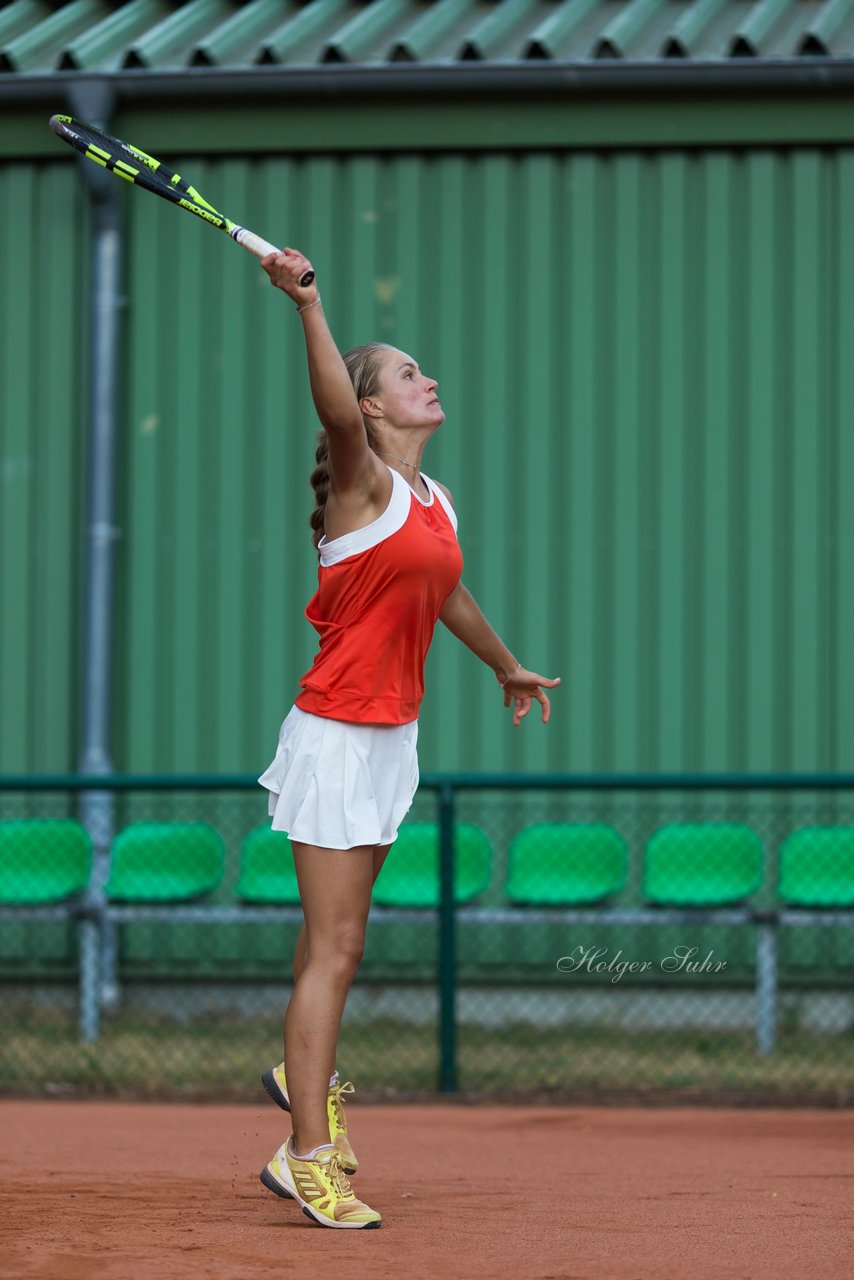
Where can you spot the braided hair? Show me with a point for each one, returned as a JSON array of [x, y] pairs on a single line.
[[364, 365]]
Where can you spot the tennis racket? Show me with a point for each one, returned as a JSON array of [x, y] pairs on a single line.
[[143, 170]]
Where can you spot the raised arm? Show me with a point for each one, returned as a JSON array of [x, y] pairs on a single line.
[[351, 460], [464, 619]]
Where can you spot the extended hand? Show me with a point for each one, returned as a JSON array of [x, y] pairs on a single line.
[[525, 687]]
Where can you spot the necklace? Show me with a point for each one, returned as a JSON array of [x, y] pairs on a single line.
[[414, 465]]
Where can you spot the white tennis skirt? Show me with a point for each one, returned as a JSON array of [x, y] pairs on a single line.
[[340, 785]]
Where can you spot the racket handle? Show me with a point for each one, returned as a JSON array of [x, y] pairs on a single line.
[[258, 246]]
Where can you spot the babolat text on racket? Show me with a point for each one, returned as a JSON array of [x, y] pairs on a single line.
[[143, 170]]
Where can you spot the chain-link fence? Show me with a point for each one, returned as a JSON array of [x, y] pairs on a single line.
[[582, 937]]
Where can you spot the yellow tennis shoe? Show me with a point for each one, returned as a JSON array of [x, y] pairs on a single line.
[[276, 1085], [319, 1185]]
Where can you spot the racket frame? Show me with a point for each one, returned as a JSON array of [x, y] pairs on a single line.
[[154, 176]]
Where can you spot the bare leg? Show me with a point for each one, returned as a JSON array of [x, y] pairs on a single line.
[[335, 889], [379, 852]]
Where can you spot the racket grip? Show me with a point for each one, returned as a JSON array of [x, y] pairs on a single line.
[[260, 247]]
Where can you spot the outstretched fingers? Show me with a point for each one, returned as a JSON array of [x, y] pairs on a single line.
[[524, 688], [523, 706]]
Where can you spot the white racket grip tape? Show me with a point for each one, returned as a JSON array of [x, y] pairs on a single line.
[[253, 243], [260, 247]]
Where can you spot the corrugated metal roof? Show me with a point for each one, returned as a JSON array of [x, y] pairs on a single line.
[[98, 36]]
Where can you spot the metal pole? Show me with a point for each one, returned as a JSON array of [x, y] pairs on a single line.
[[89, 959], [766, 986], [447, 974], [95, 759], [101, 531]]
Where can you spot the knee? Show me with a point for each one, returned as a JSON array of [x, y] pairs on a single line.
[[341, 953], [350, 947]]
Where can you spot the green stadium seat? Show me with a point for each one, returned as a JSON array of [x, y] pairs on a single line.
[[267, 872], [817, 868], [553, 864], [43, 861], [410, 874], [702, 864], [165, 862]]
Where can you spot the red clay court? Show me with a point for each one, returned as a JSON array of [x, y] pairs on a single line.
[[114, 1190]]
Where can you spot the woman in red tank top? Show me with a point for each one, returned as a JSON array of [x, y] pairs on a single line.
[[346, 769]]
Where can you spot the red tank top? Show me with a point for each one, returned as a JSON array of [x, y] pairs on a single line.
[[380, 592]]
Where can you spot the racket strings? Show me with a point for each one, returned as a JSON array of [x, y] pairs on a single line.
[[151, 174]]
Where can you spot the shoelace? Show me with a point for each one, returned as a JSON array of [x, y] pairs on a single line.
[[339, 1179], [335, 1095]]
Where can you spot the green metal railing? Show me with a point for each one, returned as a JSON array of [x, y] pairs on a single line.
[[798, 795]]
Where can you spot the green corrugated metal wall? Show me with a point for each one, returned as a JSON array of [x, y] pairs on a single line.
[[645, 362], [43, 353]]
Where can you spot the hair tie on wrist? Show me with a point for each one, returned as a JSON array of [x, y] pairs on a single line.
[[502, 683], [306, 305]]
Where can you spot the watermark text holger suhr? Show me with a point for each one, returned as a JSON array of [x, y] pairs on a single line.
[[680, 960]]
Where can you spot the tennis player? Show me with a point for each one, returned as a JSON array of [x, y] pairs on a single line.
[[346, 768]]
